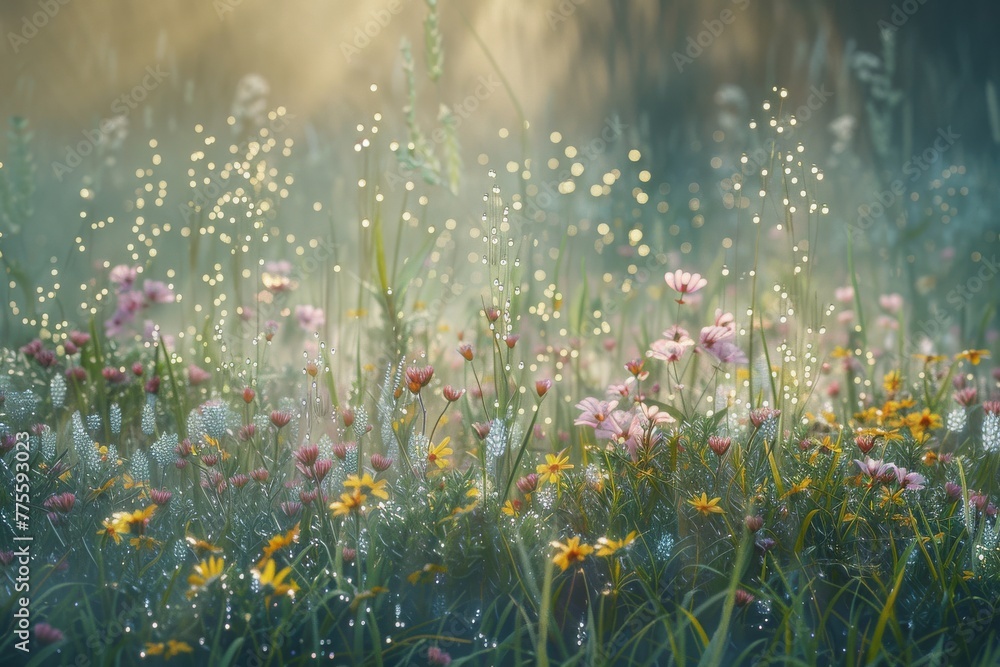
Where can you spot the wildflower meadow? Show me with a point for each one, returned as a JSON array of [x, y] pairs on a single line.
[[468, 374]]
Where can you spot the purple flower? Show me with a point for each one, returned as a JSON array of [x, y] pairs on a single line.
[[310, 318], [728, 352], [666, 350], [123, 276], [157, 292], [911, 481], [594, 411]]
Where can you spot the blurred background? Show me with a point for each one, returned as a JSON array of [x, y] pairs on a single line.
[[874, 84]]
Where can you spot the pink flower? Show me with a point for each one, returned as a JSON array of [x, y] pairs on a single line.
[[281, 267], [891, 303], [79, 338], [123, 276], [46, 634], [967, 396], [594, 411], [654, 415], [157, 292], [844, 294], [887, 322], [270, 328], [715, 340], [310, 318], [623, 429], [160, 496], [620, 390], [911, 481], [115, 325], [728, 352], [719, 444], [436, 656], [874, 469], [381, 463], [113, 375], [727, 320], [685, 283], [678, 334], [666, 350], [197, 375], [62, 502], [711, 335]]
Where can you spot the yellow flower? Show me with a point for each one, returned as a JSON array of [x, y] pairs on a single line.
[[348, 502], [512, 507], [798, 487], [706, 506], [376, 488], [367, 595], [974, 356], [271, 578], [892, 381], [571, 552], [868, 415], [144, 542], [551, 470], [426, 573], [608, 547], [921, 422], [201, 546], [109, 530], [102, 489], [169, 650], [465, 509], [930, 358], [205, 572], [126, 522], [841, 353], [887, 435], [826, 446], [279, 542], [890, 497], [438, 454], [129, 483]]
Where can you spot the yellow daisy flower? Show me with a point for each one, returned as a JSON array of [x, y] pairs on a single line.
[[706, 506], [551, 471], [375, 488], [608, 547], [272, 579], [348, 503], [205, 572], [438, 454], [570, 552]]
